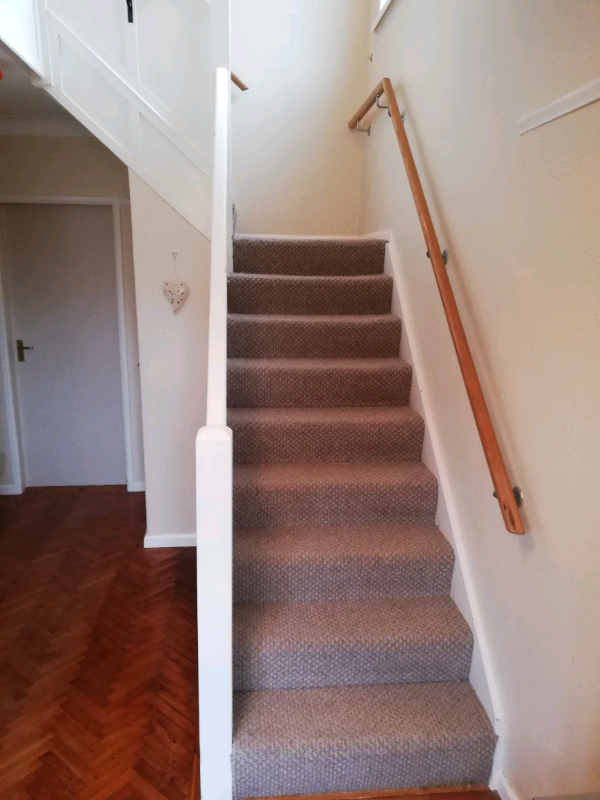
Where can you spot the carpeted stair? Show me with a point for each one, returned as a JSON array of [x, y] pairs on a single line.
[[351, 661]]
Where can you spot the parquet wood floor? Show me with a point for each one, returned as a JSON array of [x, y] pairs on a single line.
[[98, 680]]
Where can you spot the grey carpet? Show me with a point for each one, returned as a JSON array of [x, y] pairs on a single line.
[[345, 562], [325, 434], [350, 643], [317, 382], [301, 294], [351, 661], [282, 495], [309, 741], [308, 257], [281, 336]]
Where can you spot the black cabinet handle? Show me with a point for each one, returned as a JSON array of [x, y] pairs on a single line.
[[129, 10]]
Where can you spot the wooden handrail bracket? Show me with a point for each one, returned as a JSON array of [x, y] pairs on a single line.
[[489, 441]]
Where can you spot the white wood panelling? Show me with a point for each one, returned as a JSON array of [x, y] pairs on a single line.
[[19, 29], [102, 26], [184, 68], [116, 115], [570, 102], [144, 89]]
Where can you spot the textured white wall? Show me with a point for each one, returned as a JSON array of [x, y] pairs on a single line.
[[65, 166], [173, 351], [295, 163], [520, 218]]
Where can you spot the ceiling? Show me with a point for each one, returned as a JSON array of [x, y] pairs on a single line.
[[27, 110]]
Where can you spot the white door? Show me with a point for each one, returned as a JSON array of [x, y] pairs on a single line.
[[63, 301]]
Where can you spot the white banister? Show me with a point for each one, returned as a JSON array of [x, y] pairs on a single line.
[[214, 493]]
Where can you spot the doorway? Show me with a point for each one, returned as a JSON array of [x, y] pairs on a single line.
[[65, 330]]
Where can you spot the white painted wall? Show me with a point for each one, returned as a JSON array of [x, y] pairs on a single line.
[[173, 351], [295, 163], [60, 166], [519, 215]]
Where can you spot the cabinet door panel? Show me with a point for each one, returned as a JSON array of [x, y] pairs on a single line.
[[101, 25], [174, 63]]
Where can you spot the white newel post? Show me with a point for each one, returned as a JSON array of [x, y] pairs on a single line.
[[214, 487], [214, 479]]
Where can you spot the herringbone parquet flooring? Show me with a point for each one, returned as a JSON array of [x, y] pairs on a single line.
[[98, 681]]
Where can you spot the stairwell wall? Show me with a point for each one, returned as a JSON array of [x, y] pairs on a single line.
[[173, 361], [519, 217], [296, 166]]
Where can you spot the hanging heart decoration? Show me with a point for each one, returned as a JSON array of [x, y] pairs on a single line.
[[174, 289]]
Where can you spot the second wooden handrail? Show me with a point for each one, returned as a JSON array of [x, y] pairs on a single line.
[[239, 83], [489, 441]]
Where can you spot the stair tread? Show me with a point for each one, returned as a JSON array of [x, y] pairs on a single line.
[[318, 363], [319, 319], [352, 414], [308, 280], [322, 474], [343, 738], [349, 643]]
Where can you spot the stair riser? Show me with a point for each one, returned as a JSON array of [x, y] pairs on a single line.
[[347, 666], [308, 257], [271, 386], [284, 506], [256, 294], [271, 772], [260, 337], [327, 441], [316, 581]]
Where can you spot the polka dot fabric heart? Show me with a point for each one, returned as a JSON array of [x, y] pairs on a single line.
[[176, 291]]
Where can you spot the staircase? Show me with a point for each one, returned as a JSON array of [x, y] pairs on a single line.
[[351, 661]]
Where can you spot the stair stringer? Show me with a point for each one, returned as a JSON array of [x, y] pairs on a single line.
[[151, 106], [482, 674]]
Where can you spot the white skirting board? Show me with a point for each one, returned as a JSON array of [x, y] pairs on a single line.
[[152, 540], [10, 489], [482, 672], [499, 783]]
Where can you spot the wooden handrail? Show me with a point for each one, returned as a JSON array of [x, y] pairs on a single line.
[[240, 84], [503, 489]]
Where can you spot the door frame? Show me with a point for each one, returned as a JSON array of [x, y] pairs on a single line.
[[7, 354]]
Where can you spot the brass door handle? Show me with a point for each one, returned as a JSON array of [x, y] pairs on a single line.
[[21, 350]]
